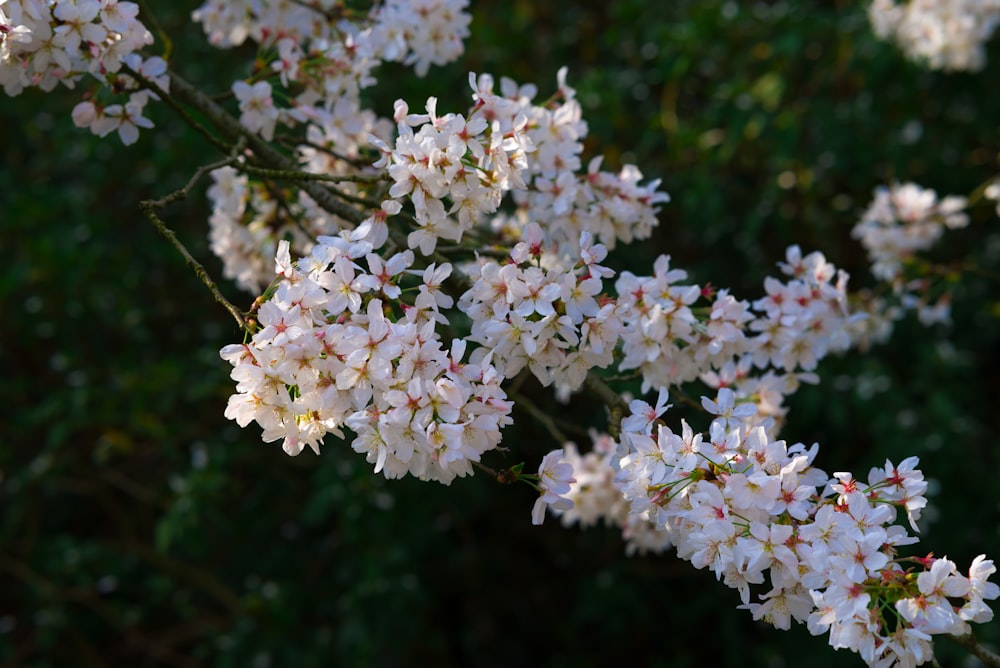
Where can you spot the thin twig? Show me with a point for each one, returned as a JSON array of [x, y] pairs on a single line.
[[617, 407], [150, 19], [284, 175], [149, 208], [294, 143], [177, 195], [486, 469], [507, 476], [298, 175], [540, 416], [177, 107]]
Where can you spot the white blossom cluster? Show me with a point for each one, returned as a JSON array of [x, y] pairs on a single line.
[[609, 207], [453, 171], [238, 234], [338, 347], [595, 493], [671, 340], [903, 220], [757, 513], [347, 332], [942, 34], [539, 313], [47, 42], [420, 33], [327, 62], [470, 161], [325, 54], [247, 222]]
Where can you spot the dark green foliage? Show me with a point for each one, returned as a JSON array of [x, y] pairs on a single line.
[[140, 527]]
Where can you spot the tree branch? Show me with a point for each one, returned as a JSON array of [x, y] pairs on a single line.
[[540, 416], [177, 107], [617, 407], [230, 128], [149, 208], [969, 642], [299, 175]]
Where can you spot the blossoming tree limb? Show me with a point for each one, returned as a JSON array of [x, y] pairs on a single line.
[[417, 267]]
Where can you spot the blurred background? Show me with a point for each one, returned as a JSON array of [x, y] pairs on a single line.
[[139, 527]]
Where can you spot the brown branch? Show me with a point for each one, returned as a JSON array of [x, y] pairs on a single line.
[[539, 416], [298, 175], [507, 476], [295, 143], [177, 107], [486, 469], [149, 206], [969, 642], [617, 407], [230, 128]]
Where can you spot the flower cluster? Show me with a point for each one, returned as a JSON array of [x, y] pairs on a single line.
[[324, 55], [47, 42], [536, 312], [943, 34], [903, 220], [338, 347], [509, 143], [247, 222], [420, 33], [609, 207], [471, 161], [347, 333], [673, 340], [756, 512], [596, 496]]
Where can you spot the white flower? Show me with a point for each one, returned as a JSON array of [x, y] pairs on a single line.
[[126, 119], [258, 111], [555, 475], [731, 414]]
